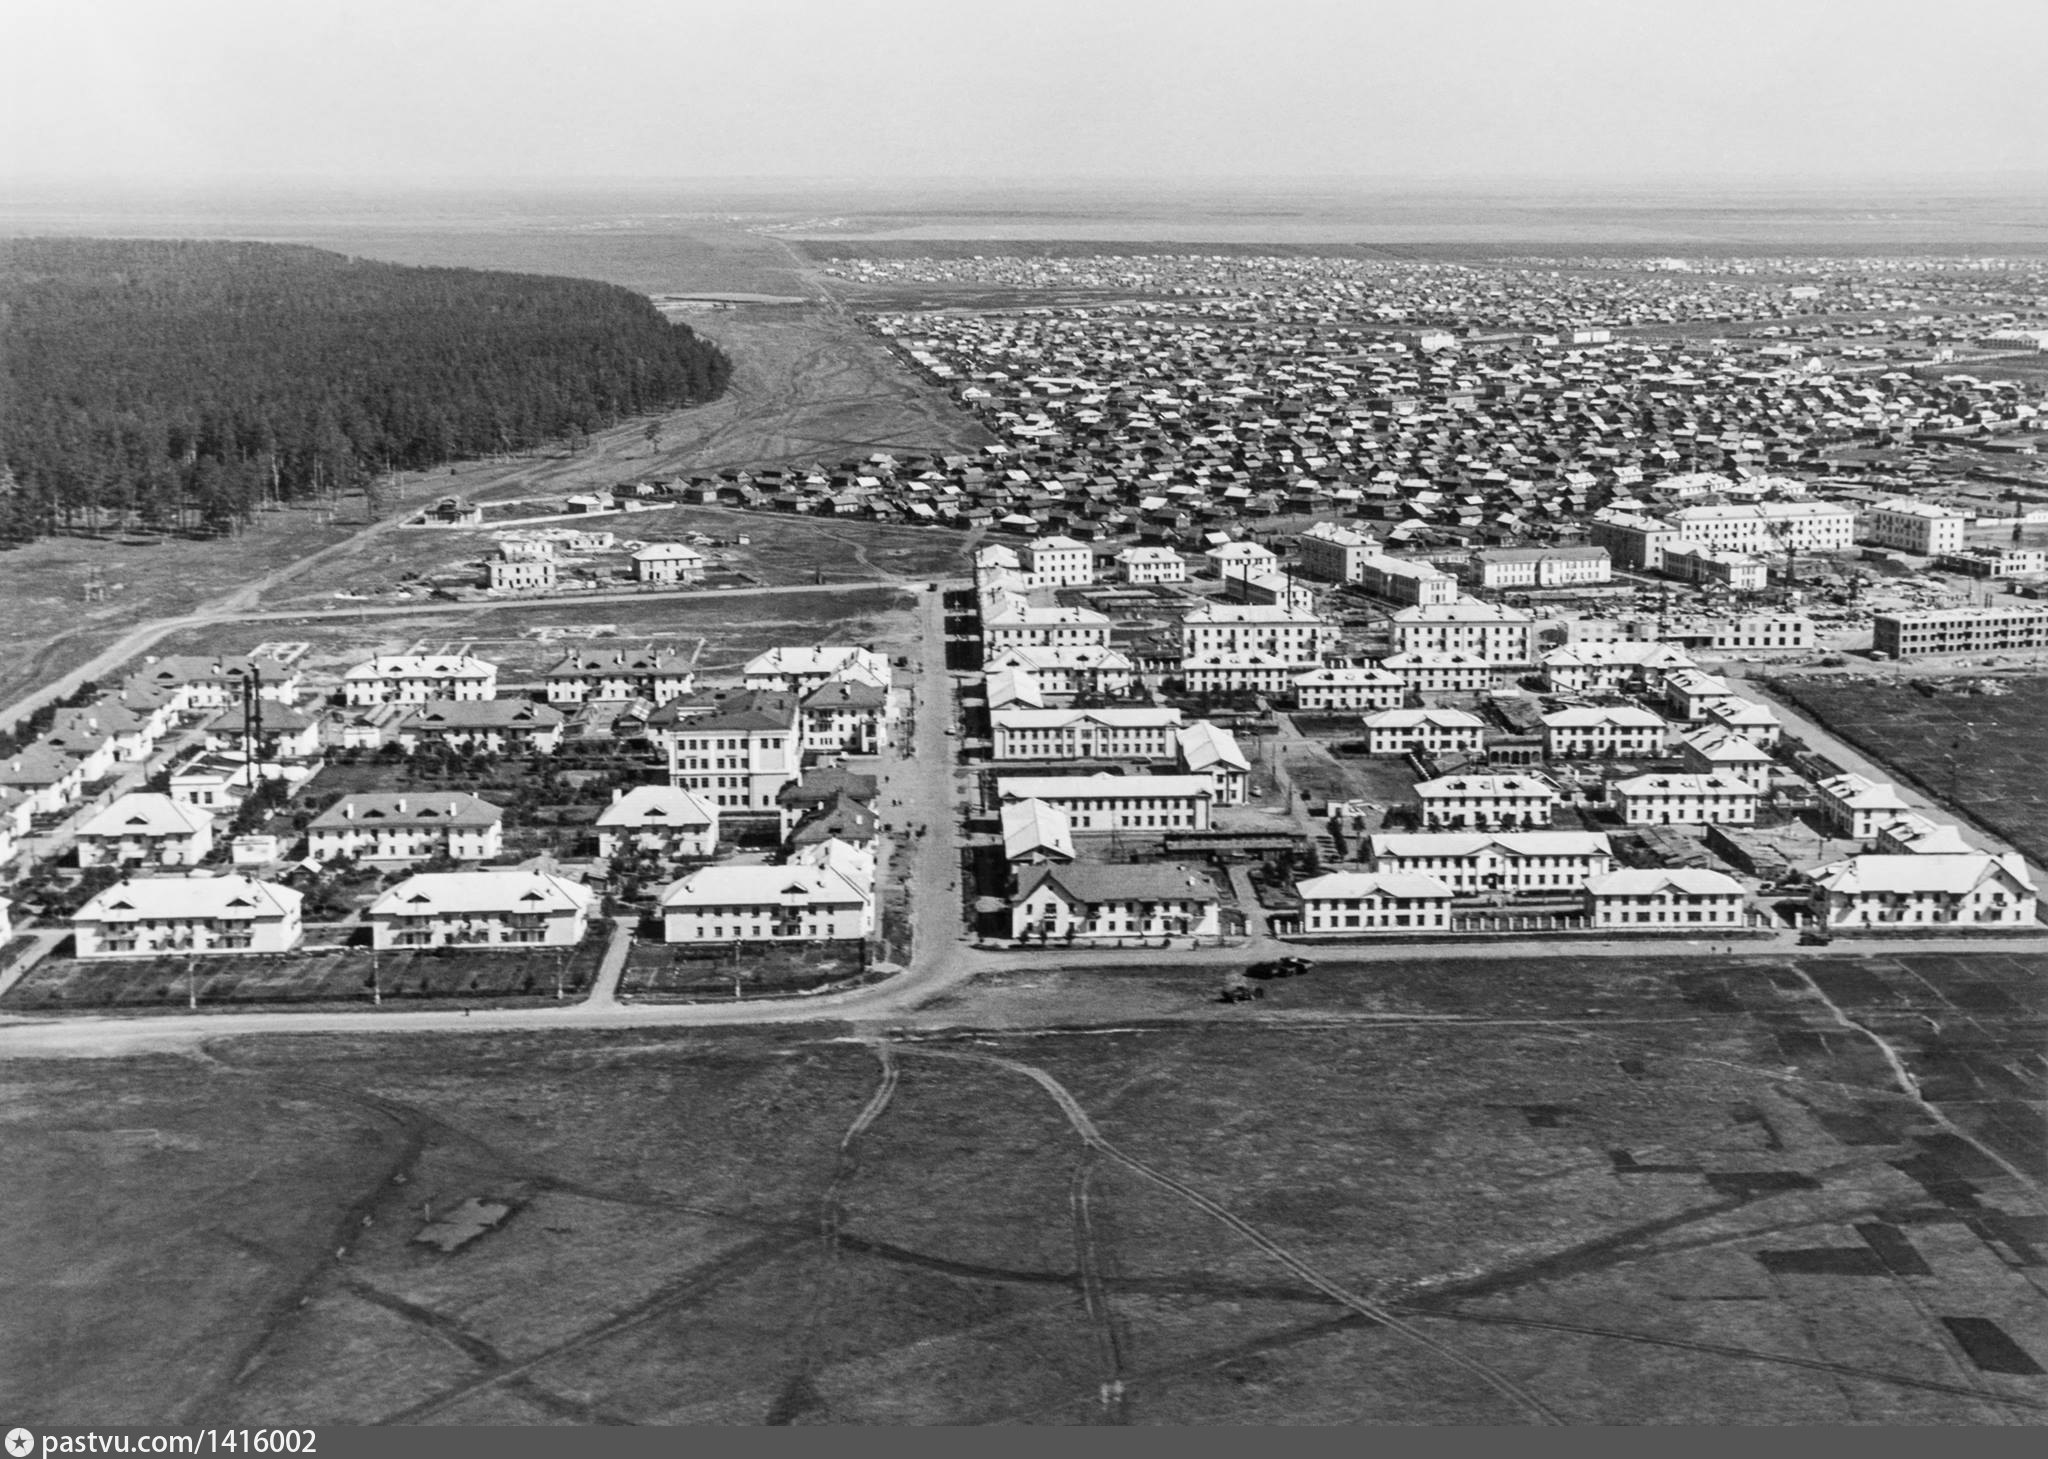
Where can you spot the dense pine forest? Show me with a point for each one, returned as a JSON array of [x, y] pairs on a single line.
[[180, 385]]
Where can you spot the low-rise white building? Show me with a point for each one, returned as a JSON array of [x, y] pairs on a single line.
[[1347, 688], [1209, 749], [1717, 750], [1151, 565], [419, 678], [1065, 671], [661, 818], [1119, 802], [1539, 567], [1256, 628], [1691, 695], [1490, 631], [492, 726], [1224, 673], [1095, 901], [1753, 721], [1738, 572], [1373, 901], [1922, 528], [831, 902], [1666, 897], [584, 676], [1486, 802], [146, 827], [1609, 667], [1442, 671], [187, 915], [1015, 623], [1334, 553], [376, 826], [1685, 800], [1139, 732], [1618, 730], [1858, 807], [1034, 831], [1058, 562], [1517, 863], [522, 574], [1424, 731], [1240, 559], [847, 717], [1406, 580], [1916, 835], [668, 562], [481, 909], [800, 670], [1879, 892]]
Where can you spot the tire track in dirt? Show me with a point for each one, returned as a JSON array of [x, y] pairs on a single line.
[[1085, 1128], [1094, 1298]]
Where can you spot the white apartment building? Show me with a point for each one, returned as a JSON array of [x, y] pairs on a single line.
[[1098, 901], [1260, 628], [1427, 671], [1606, 668], [1067, 671], [794, 903], [483, 909], [1916, 835], [740, 754], [1858, 807], [1539, 567], [1718, 750], [1017, 624], [1240, 559], [1349, 689], [187, 915], [1768, 527], [146, 827], [1691, 694], [1426, 731], [1488, 630], [1406, 580], [1034, 831], [1921, 528], [1119, 802], [847, 717], [521, 574], [1517, 863], [1208, 749], [1334, 554], [418, 678], [491, 726], [1736, 571], [1959, 630], [1222, 673], [668, 562], [1138, 733], [1685, 800], [1621, 731], [1878, 893], [1665, 898], [800, 670], [393, 829], [1139, 565], [658, 818], [1058, 562], [1486, 802], [1753, 721], [1373, 901], [584, 676]]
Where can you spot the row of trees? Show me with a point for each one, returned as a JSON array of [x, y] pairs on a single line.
[[171, 384]]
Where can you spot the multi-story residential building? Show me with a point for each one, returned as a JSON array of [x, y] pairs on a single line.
[[1616, 730], [738, 754], [800, 670], [1718, 750], [1607, 668], [1273, 589], [1097, 901], [187, 915], [1137, 733], [1118, 802], [1486, 802], [1959, 631], [49, 779], [1334, 554], [1921, 528], [129, 735], [1514, 863], [1424, 731], [482, 909], [668, 562], [1061, 672], [588, 675], [1685, 800], [1439, 671], [1995, 562], [197, 683], [1736, 571], [1858, 807], [1015, 623], [1151, 565], [1666, 897], [1224, 673], [1209, 749], [146, 827], [522, 574], [1538, 567], [1916, 835], [493, 726], [1246, 628], [1635, 542], [419, 678], [1406, 580], [1490, 631], [1755, 630], [1058, 562], [1692, 694], [832, 902], [846, 717], [394, 829], [1753, 721], [1349, 689], [1240, 559], [1878, 893], [1372, 901], [1768, 527]]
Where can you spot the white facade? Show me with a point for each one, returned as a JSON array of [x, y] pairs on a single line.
[[1096, 902], [1768, 527], [793, 903], [1883, 892], [1059, 562], [1736, 571], [379, 827], [1859, 807], [418, 678], [1666, 898], [1518, 863], [1119, 802], [187, 915], [1065, 671], [1485, 802], [1604, 668], [1137, 733], [1921, 528], [1373, 901], [1261, 628], [1406, 580], [146, 827], [660, 818], [1717, 750], [740, 756], [668, 562], [1017, 624], [482, 909], [800, 670], [1623, 731], [1151, 565], [1223, 673], [1349, 689], [1208, 749], [1540, 567], [1486, 630], [1334, 554], [521, 574], [1427, 671], [1685, 800], [1429, 731], [588, 675]]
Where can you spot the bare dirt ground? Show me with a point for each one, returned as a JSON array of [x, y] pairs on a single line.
[[1679, 1190]]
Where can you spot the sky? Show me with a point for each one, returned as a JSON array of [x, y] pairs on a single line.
[[196, 91]]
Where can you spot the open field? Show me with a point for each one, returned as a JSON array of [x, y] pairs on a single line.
[[1980, 754], [1680, 1189]]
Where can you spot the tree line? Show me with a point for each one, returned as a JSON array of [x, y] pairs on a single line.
[[182, 384]]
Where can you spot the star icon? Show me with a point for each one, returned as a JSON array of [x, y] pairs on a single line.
[[20, 1443]]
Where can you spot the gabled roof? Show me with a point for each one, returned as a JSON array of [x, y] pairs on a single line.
[[794, 885], [1908, 873], [1639, 882], [1205, 746], [1032, 827], [423, 666], [1416, 718], [1456, 844], [1600, 715], [659, 805], [182, 898], [1096, 882], [482, 714], [456, 808], [1361, 885], [145, 813], [451, 893]]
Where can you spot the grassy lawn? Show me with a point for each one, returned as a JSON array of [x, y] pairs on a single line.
[[657, 970]]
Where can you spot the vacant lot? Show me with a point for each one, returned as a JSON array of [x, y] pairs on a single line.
[[1667, 1191], [1979, 753]]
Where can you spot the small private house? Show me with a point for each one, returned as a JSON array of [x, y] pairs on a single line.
[[1097, 901], [831, 902], [1884, 892], [1424, 731], [145, 827], [481, 909], [668, 563], [187, 915], [660, 818], [493, 726], [1666, 897], [1373, 901], [395, 829]]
